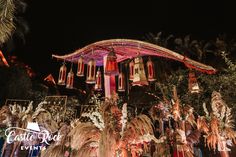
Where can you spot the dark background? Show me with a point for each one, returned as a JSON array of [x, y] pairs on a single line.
[[60, 27]]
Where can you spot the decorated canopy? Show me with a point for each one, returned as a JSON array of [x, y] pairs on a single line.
[[127, 49]]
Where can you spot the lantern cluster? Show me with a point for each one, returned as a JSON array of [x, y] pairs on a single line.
[[66, 80], [137, 72], [136, 67], [91, 77]]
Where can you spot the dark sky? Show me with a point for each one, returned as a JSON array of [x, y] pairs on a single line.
[[59, 26]]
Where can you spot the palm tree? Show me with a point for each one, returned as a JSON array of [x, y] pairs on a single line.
[[11, 23]]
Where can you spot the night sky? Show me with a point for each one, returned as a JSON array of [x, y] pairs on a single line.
[[61, 27]]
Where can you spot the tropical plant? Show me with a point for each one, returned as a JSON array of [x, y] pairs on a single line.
[[218, 125], [109, 133], [11, 22]]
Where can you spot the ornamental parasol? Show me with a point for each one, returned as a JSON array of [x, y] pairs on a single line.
[[127, 49]]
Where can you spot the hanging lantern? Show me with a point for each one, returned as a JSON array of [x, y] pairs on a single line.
[[121, 82], [80, 70], [131, 70], [62, 75], [192, 83], [111, 64], [139, 73], [91, 70], [70, 80], [150, 69], [98, 85]]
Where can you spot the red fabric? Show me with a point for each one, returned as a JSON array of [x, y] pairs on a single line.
[[178, 154], [111, 66], [199, 69]]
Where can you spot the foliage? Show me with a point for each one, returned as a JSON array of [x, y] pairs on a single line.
[[2, 133], [225, 82], [16, 114], [10, 20], [109, 133], [7, 8], [217, 124], [217, 52], [15, 83]]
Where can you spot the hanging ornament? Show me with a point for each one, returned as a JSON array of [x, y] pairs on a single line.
[[98, 85], [70, 79], [62, 75], [80, 70], [150, 68], [139, 73], [91, 70], [111, 64], [131, 70], [192, 83], [121, 81]]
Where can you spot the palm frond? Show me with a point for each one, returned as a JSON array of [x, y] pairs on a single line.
[[54, 151], [7, 8], [138, 127], [193, 137], [83, 133], [88, 149]]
